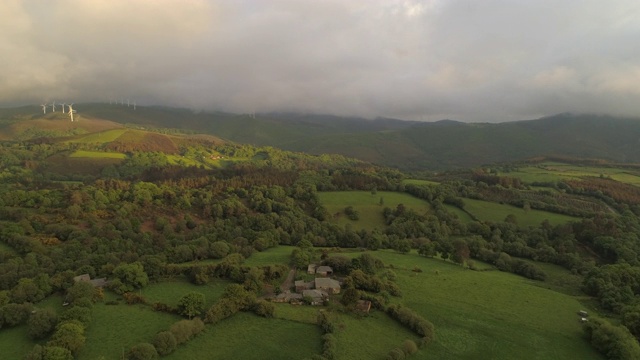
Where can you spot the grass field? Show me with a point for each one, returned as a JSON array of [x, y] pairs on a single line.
[[170, 292], [272, 256], [118, 327], [462, 215], [419, 182], [99, 137], [246, 336], [489, 211], [554, 171], [97, 154], [370, 337], [368, 205], [489, 314]]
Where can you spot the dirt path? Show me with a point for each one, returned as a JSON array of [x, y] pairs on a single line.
[[288, 282]]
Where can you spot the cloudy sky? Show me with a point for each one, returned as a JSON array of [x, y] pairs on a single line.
[[468, 60]]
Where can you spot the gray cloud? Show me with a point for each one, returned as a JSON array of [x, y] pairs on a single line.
[[489, 60]]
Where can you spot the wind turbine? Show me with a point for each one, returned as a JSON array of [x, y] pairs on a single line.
[[44, 108], [71, 111], [53, 106], [63, 104], [128, 103], [134, 105]]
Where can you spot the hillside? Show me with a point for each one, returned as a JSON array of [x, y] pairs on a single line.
[[406, 145], [489, 257]]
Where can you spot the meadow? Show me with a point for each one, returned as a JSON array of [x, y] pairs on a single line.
[[247, 336], [490, 211], [99, 137], [556, 171], [97, 154], [489, 314], [368, 206]]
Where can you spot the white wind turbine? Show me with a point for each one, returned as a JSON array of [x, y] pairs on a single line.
[[53, 106], [63, 104], [44, 108], [134, 105], [71, 111]]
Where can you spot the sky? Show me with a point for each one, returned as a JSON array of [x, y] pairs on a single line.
[[468, 60]]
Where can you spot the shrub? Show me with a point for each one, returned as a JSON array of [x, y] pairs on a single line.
[[41, 323], [263, 308], [184, 330], [142, 351], [409, 347], [165, 342], [396, 354]]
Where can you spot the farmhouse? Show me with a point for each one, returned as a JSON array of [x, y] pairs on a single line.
[[100, 282], [301, 285], [311, 269], [330, 286], [288, 297], [317, 297], [324, 270]]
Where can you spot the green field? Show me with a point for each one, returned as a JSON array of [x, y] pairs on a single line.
[[555, 171], [419, 182], [271, 256], [246, 336], [489, 314], [100, 137], [170, 292], [462, 215], [118, 327], [97, 154], [490, 211], [368, 205]]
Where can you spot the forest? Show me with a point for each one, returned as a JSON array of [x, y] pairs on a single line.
[[167, 210]]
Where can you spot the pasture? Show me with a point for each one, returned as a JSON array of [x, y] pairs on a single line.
[[99, 137], [170, 292], [419, 182], [275, 255], [97, 154], [490, 211], [247, 336], [368, 206], [555, 171], [118, 327], [488, 314]]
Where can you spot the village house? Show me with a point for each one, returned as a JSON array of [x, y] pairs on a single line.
[[311, 269], [330, 286], [99, 282], [301, 285], [316, 297], [324, 270], [288, 297]]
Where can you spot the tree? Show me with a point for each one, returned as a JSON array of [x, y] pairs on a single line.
[[79, 290], [130, 276], [219, 249], [184, 330], [41, 323], [142, 351], [350, 297], [461, 251], [191, 304], [69, 335], [165, 342]]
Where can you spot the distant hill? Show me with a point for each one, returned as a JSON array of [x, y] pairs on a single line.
[[408, 145]]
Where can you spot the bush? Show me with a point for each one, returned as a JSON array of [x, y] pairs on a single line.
[[409, 347], [78, 313], [329, 346], [165, 342], [184, 330], [615, 342], [41, 323], [142, 351], [396, 354], [413, 321], [263, 308]]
